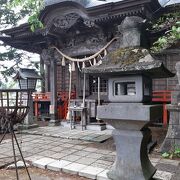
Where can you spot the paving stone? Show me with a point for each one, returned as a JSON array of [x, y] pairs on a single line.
[[58, 155], [58, 165], [104, 162], [71, 158], [169, 161], [86, 161], [162, 175], [103, 175], [102, 138], [58, 149], [46, 153], [94, 155], [43, 162], [90, 172], [105, 152], [166, 167], [33, 158], [81, 153], [104, 166], [78, 147], [90, 149], [107, 158], [73, 168], [154, 160]]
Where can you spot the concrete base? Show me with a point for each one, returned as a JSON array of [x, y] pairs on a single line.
[[27, 126], [54, 123], [96, 127], [132, 161]]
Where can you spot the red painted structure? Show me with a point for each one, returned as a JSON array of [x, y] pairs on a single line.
[[163, 97], [45, 97]]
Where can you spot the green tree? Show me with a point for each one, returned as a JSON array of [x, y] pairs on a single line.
[[10, 15]]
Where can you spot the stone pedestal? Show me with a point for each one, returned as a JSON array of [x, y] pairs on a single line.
[[173, 134], [132, 161], [131, 137]]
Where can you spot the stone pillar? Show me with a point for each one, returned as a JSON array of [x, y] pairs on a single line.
[[173, 134], [132, 160], [29, 119], [53, 87], [130, 28]]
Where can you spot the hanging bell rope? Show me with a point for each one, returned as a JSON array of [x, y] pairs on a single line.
[[103, 50]]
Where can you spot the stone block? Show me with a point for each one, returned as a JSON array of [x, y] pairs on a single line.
[[43, 162], [162, 175], [103, 175], [58, 165], [33, 158], [73, 168], [90, 172], [86, 161], [71, 158]]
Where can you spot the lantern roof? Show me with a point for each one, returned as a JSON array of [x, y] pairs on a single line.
[[25, 73], [129, 61]]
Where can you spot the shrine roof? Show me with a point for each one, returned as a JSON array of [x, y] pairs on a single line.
[[129, 61]]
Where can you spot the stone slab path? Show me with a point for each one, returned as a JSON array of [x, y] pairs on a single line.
[[65, 132], [75, 156]]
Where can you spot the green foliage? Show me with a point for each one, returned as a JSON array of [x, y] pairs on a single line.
[[33, 7], [175, 153], [171, 23]]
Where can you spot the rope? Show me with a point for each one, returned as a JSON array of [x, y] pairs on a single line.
[[86, 58]]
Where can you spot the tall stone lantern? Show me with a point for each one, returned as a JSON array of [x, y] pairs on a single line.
[[173, 134], [130, 72], [27, 79]]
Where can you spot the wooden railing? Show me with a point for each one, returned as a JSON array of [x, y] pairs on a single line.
[[163, 97], [45, 97]]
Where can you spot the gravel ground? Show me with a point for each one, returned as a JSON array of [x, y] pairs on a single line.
[[37, 174]]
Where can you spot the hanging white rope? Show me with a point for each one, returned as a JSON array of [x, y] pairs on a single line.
[[103, 50], [70, 87]]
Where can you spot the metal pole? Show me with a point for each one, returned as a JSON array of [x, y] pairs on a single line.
[[14, 153], [22, 156]]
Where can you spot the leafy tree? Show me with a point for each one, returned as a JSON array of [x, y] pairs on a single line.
[[169, 22], [10, 58]]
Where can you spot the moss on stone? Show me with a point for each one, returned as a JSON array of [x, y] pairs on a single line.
[[126, 56]]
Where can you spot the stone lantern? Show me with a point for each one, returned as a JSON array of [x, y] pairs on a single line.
[[27, 79], [130, 72]]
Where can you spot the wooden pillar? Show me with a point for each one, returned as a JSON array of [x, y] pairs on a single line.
[[42, 72], [47, 76], [53, 88]]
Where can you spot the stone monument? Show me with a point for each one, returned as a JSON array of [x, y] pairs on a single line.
[[130, 71], [173, 134]]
